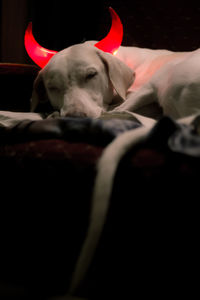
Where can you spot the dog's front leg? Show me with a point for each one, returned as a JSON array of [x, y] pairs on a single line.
[[137, 99]]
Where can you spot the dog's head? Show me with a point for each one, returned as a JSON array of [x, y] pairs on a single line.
[[81, 81]]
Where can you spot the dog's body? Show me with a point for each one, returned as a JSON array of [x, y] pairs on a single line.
[[171, 79]]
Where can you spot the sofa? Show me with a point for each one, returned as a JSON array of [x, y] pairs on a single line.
[[46, 186]]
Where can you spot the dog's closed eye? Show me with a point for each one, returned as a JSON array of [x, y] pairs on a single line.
[[91, 73], [55, 89]]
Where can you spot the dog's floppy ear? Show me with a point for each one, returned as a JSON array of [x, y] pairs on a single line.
[[39, 94], [120, 74]]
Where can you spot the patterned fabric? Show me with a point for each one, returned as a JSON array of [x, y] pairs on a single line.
[[99, 132]]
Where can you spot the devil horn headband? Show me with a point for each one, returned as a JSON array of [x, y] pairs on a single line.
[[110, 43], [113, 40]]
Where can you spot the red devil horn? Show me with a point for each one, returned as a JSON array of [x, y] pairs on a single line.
[[37, 53], [113, 40], [110, 43]]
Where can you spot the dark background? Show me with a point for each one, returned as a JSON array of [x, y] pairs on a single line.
[[173, 25]]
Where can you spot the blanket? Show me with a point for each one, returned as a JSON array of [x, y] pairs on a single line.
[[182, 136], [93, 131]]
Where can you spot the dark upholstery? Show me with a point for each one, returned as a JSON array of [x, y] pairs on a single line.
[[16, 83], [46, 186]]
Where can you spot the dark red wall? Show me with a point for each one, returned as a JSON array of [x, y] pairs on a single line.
[[154, 23]]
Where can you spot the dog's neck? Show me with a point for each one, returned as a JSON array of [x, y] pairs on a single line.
[[145, 62]]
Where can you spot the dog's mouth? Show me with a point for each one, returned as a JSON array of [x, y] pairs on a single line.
[[110, 43]]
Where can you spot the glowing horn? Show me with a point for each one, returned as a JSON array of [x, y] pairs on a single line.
[[110, 43], [113, 40], [37, 53]]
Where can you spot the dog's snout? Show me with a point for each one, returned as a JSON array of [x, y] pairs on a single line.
[[79, 103]]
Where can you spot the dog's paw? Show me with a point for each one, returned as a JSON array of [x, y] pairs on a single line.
[[54, 115]]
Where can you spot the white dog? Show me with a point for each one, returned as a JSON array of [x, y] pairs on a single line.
[[83, 81]]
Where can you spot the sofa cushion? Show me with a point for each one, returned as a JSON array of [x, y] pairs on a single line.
[[16, 81]]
